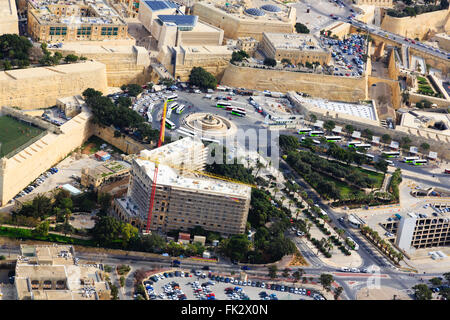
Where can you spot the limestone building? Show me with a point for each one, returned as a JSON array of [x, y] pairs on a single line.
[[103, 173], [214, 59], [149, 11], [247, 20], [60, 20], [128, 8], [45, 272], [181, 201], [298, 48], [9, 22], [177, 30], [377, 3], [248, 44]]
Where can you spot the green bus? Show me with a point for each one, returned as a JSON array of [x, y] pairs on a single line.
[[304, 131]]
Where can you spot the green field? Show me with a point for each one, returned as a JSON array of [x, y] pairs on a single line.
[[14, 133], [375, 175]]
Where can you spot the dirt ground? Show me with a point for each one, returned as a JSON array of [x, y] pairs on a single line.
[[87, 149], [383, 293]]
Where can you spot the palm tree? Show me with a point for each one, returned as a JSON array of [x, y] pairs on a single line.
[[340, 232], [276, 190], [329, 244], [291, 202], [297, 212], [259, 166]]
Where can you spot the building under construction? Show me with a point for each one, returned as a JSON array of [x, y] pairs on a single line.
[[182, 200]]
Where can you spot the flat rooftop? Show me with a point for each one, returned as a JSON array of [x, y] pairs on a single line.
[[101, 12], [206, 50], [424, 119], [267, 10], [293, 41], [169, 177], [365, 111], [171, 150]]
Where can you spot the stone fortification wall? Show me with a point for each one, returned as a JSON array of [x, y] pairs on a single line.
[[360, 124], [316, 85], [124, 143], [40, 87], [419, 26], [124, 64], [25, 166], [234, 27], [9, 22], [415, 97]]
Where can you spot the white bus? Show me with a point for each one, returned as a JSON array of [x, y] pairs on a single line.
[[316, 141], [370, 156], [304, 131], [389, 162], [316, 133], [172, 106], [410, 159], [172, 97], [321, 210], [354, 144], [180, 109], [362, 145], [392, 154], [333, 138], [420, 162], [170, 124], [240, 112]]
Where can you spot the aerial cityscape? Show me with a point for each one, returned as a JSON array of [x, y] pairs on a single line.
[[224, 150]]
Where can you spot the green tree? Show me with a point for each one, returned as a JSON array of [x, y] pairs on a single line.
[[349, 128], [273, 269], [42, 229], [329, 125], [386, 138], [422, 292], [326, 280], [106, 230], [285, 272], [337, 292], [301, 28], [286, 61], [104, 200], [436, 281], [236, 247], [239, 56], [114, 292], [202, 78], [270, 62], [127, 232], [71, 58], [425, 146]]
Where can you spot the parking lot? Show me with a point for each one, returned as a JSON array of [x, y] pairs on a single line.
[[347, 55], [204, 285]]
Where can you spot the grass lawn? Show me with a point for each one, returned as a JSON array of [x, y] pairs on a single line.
[[19, 233], [95, 142], [14, 133], [375, 175]]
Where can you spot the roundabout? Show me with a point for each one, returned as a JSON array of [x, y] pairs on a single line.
[[207, 124]]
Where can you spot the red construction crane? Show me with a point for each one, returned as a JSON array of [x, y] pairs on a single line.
[[155, 176]]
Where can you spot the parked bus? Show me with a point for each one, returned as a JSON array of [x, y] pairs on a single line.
[[223, 105], [410, 159], [389, 162], [180, 109], [172, 97], [238, 112], [333, 138], [353, 144], [392, 154], [370, 156], [362, 145], [172, 106], [316, 141], [304, 131], [170, 124], [420, 162], [316, 133]]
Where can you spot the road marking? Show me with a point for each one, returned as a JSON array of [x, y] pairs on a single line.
[[342, 274]]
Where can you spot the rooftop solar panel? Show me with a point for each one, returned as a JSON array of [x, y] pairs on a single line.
[[160, 5], [179, 20]]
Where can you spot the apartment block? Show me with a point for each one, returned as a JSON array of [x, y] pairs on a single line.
[[77, 20], [418, 230], [182, 200]]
